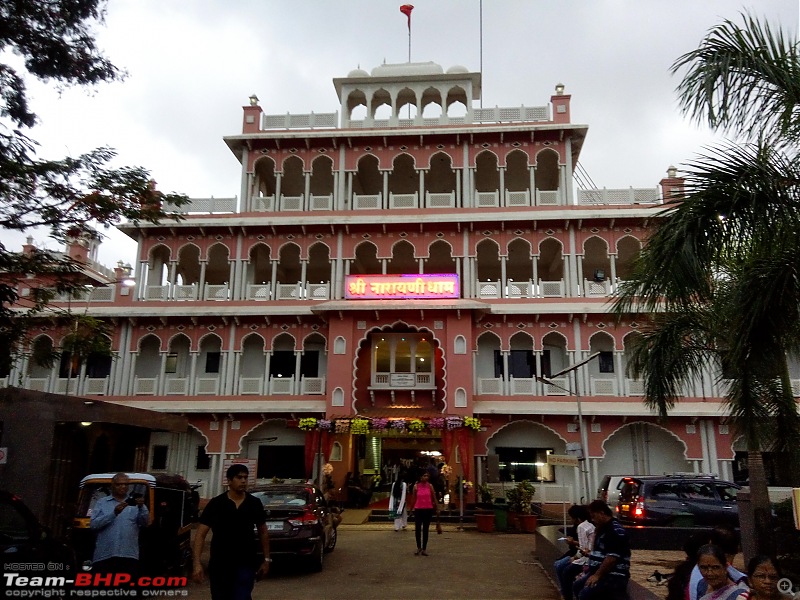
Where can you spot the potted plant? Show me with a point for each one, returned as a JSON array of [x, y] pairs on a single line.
[[484, 516], [485, 496], [520, 498]]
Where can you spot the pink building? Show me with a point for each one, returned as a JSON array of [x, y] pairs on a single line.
[[407, 262]]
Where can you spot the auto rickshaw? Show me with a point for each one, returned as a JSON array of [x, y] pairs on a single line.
[[164, 545]]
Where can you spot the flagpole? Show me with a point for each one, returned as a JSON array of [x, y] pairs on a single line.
[[409, 39], [480, 6]]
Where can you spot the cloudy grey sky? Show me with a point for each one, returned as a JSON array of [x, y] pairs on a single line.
[[192, 65]]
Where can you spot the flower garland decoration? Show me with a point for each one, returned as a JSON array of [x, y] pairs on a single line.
[[473, 423], [436, 423], [446, 471], [307, 423], [379, 424], [327, 469], [416, 425], [358, 425], [454, 422], [363, 425], [467, 486]]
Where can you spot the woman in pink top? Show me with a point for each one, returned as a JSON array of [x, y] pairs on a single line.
[[424, 505]]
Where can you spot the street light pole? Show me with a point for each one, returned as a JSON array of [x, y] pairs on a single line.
[[584, 437]]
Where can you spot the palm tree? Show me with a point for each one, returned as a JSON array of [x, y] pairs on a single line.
[[721, 271]]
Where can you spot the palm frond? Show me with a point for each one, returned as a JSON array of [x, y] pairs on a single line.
[[744, 79]]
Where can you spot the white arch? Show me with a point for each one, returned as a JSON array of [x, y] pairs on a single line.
[[656, 425]]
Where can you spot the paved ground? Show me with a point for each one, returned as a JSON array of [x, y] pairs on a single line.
[[373, 561]]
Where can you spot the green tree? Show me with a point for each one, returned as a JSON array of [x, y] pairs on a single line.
[[721, 271], [53, 41]]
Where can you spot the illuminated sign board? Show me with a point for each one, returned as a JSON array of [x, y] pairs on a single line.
[[390, 287]]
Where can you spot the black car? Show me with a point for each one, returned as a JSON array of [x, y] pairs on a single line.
[[300, 522], [24, 540], [678, 500]]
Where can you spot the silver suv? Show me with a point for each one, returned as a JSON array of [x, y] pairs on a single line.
[[678, 500]]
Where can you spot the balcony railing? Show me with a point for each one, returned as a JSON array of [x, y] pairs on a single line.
[[403, 381], [619, 196], [204, 205]]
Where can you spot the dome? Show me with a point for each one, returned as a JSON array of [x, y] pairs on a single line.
[[358, 73], [457, 69], [407, 69]]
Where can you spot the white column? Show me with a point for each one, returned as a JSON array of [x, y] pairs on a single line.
[[337, 290], [237, 368], [298, 354], [532, 175], [613, 261], [342, 201], [277, 204], [502, 190], [503, 281], [266, 372], [303, 283], [243, 191], [307, 191], [161, 375], [231, 280], [385, 196], [421, 199], [274, 285], [229, 384], [192, 372], [130, 376], [202, 284], [568, 172], [506, 373], [619, 368]]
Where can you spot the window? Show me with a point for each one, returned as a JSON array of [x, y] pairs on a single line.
[[159, 460], [546, 369], [309, 363], [698, 491], [670, 489], [212, 362], [203, 460], [518, 464], [171, 364], [727, 493], [606, 362], [281, 364], [68, 367], [522, 364], [499, 371], [98, 366]]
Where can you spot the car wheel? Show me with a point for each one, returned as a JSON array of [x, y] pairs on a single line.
[[316, 559], [331, 540]]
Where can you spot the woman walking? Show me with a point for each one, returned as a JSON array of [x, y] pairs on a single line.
[[424, 507], [397, 503]]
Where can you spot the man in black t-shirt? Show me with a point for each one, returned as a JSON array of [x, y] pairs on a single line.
[[231, 517]]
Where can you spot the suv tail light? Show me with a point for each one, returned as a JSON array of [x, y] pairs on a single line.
[[638, 510]]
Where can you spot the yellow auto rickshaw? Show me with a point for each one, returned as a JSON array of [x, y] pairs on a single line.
[[164, 545]]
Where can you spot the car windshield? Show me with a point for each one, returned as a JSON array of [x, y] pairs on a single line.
[[275, 498], [93, 491]]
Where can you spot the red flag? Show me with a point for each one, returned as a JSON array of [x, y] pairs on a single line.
[[406, 10]]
